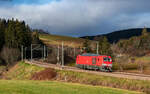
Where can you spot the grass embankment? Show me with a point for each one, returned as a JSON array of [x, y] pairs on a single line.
[[57, 40], [51, 87], [22, 71], [85, 78], [92, 79]]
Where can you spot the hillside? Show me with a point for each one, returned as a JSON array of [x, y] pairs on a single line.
[[117, 35], [57, 40]]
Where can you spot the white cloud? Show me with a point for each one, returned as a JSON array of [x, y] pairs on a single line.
[[81, 17]]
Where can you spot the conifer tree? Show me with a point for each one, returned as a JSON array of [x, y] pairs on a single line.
[[2, 29], [17, 34], [144, 31], [87, 47], [14, 34], [104, 47], [144, 39]]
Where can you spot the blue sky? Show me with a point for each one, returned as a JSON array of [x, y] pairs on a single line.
[[79, 17], [28, 2], [32, 1]]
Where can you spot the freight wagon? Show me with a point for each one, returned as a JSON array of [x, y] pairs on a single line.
[[94, 61]]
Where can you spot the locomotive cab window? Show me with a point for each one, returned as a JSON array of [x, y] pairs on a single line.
[[107, 59]]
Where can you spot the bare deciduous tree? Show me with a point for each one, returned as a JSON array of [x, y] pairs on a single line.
[[10, 55], [122, 60], [141, 66]]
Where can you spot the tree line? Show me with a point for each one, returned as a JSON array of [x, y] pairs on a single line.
[[104, 47], [14, 34], [134, 46]]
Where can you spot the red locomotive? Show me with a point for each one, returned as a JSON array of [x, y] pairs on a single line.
[[94, 61]]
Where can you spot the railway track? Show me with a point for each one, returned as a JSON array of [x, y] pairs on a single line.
[[112, 74]]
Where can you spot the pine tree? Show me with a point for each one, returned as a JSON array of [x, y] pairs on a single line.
[[144, 31], [17, 34], [35, 37], [144, 39], [1, 39], [87, 47], [2, 29], [10, 35], [104, 47]]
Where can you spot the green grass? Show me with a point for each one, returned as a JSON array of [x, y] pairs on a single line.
[[126, 66], [2, 69], [92, 79], [22, 71], [57, 40], [50, 87], [144, 59], [78, 77]]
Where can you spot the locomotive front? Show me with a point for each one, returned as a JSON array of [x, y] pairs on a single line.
[[107, 63]]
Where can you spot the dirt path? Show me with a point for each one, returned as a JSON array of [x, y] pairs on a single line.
[[113, 74]]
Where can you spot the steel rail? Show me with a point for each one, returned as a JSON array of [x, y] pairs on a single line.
[[112, 74]]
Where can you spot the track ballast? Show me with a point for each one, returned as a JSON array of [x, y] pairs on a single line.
[[112, 74]]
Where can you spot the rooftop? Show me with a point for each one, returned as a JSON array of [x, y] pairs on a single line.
[[90, 54]]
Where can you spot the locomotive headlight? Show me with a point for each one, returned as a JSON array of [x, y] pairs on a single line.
[[107, 65], [110, 60], [110, 65]]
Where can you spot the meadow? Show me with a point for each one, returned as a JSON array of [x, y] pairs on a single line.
[[24, 71], [53, 87], [68, 41]]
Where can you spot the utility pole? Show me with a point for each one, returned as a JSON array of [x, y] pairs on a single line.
[[25, 52], [44, 52], [31, 52], [97, 48], [74, 51], [22, 52], [58, 55], [62, 54], [47, 51]]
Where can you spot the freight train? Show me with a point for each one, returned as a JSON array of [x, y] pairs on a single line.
[[94, 61]]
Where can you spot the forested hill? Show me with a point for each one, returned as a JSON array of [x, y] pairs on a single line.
[[118, 35], [15, 36]]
